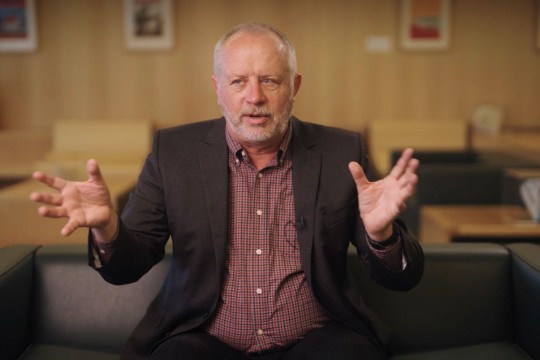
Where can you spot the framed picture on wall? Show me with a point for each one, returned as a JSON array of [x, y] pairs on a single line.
[[148, 24], [425, 24], [17, 26], [538, 27]]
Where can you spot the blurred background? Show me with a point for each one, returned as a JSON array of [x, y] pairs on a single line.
[[82, 68], [470, 108]]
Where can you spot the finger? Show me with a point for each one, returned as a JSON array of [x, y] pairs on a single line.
[[46, 198], [402, 163], [52, 212], [410, 172], [358, 174], [408, 188], [412, 167], [51, 181], [69, 228]]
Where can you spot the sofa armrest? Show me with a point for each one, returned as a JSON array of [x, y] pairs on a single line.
[[526, 278], [16, 280], [464, 298]]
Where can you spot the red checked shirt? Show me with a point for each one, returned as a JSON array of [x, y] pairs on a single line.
[[266, 302]]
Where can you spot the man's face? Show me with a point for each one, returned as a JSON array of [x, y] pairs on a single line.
[[254, 88]]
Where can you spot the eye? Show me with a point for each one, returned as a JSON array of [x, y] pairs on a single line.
[[270, 82]]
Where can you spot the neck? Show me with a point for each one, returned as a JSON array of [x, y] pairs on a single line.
[[261, 155]]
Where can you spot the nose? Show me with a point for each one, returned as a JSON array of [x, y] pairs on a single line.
[[255, 93]]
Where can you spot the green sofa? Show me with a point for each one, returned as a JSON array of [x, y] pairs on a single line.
[[476, 301]]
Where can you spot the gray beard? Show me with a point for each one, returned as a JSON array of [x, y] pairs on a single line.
[[278, 126]]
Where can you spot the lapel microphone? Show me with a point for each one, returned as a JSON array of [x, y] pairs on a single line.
[[300, 224]]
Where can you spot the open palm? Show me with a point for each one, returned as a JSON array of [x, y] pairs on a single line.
[[380, 202], [85, 204]]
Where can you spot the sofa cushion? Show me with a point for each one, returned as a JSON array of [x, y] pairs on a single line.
[[75, 307], [42, 352], [464, 298]]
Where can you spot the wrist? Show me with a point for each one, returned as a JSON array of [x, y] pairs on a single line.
[[387, 241], [382, 235], [109, 232]]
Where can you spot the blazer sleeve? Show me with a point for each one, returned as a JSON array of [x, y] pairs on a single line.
[[411, 250], [143, 231]]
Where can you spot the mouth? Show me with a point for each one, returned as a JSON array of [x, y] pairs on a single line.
[[256, 118]]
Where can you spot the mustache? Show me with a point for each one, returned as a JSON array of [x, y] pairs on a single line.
[[257, 111]]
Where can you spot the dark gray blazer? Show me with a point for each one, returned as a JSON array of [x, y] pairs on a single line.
[[182, 194]]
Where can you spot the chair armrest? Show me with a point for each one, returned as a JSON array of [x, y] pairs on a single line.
[[16, 280], [526, 278]]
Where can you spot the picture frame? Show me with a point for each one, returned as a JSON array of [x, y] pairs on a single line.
[[425, 24], [538, 26], [18, 32], [148, 24]]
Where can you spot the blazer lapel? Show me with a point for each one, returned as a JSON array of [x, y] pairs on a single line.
[[213, 162], [306, 171]]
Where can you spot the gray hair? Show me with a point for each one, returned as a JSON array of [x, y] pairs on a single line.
[[254, 28]]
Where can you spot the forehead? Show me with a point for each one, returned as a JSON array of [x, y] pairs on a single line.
[[253, 49]]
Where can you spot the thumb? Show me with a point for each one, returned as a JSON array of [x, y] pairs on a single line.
[[94, 173], [358, 174]]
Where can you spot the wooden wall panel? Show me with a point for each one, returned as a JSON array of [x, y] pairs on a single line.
[[82, 69]]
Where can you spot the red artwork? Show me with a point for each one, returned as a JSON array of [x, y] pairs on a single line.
[[425, 19]]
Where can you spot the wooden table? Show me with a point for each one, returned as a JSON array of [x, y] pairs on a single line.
[[446, 223], [21, 224]]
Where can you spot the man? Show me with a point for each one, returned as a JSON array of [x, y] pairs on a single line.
[[261, 208]]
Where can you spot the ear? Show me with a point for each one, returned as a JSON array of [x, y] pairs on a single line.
[[297, 83], [215, 83]]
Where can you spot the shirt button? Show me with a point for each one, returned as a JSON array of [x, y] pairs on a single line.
[[243, 153], [259, 291], [258, 251], [260, 331], [260, 175], [259, 212]]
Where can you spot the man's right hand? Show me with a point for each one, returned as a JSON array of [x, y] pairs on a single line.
[[85, 204]]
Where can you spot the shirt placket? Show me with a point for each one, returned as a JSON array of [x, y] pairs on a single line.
[[260, 252]]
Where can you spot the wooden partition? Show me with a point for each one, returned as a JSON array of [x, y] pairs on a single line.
[[387, 135], [20, 149], [120, 146]]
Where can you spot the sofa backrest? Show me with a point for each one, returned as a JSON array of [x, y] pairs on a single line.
[[464, 297], [459, 184], [467, 156], [74, 306]]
